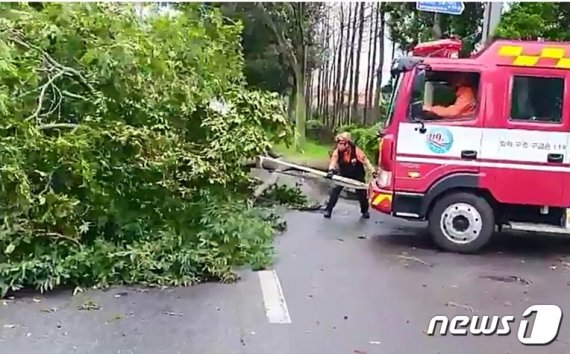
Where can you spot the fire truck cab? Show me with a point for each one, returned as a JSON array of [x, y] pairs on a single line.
[[503, 162]]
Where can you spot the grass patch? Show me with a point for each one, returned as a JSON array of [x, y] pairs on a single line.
[[313, 153]]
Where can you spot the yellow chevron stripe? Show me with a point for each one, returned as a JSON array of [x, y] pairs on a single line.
[[510, 51], [563, 63], [519, 59], [525, 60], [380, 198], [553, 53]]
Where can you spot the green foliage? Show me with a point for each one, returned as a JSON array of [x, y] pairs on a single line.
[[533, 20], [365, 138], [280, 37], [291, 197], [121, 146], [315, 124], [266, 67]]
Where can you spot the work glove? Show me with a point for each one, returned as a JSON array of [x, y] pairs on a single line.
[[330, 173]]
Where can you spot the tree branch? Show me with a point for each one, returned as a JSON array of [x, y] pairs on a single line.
[[59, 236], [58, 125], [42, 94], [285, 47], [52, 61]]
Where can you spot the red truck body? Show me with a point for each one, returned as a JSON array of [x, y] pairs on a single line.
[[512, 155]]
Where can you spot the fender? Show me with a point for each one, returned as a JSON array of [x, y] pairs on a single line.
[[456, 180], [416, 205]]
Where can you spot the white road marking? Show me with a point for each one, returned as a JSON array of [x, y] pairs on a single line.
[[273, 298]]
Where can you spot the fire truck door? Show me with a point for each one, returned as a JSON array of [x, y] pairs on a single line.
[[428, 151]]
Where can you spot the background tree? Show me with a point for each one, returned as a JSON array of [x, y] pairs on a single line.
[[293, 26], [534, 20]]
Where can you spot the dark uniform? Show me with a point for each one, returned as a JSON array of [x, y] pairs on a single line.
[[351, 163]]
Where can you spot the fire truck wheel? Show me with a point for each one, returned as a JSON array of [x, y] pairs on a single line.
[[461, 222]]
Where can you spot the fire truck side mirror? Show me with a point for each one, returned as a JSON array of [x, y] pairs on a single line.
[[416, 110]]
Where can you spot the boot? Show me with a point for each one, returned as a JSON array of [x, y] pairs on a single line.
[[327, 214], [366, 215]]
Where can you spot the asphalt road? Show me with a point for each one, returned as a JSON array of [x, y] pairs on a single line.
[[348, 286]]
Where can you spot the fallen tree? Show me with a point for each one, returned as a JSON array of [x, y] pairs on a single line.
[[122, 142]]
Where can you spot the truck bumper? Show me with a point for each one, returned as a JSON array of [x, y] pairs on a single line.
[[380, 199]]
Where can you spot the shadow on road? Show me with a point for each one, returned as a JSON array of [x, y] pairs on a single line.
[[504, 243]]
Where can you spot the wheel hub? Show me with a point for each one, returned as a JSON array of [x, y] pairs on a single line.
[[461, 223]]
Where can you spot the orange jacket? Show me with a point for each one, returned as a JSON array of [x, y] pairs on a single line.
[[360, 156], [464, 105]]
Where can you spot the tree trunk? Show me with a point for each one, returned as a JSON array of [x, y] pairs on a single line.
[[324, 69], [319, 89], [352, 64], [300, 108], [357, 66], [346, 67], [372, 66], [309, 95], [291, 105], [338, 77], [330, 84], [437, 33], [380, 65], [372, 33]]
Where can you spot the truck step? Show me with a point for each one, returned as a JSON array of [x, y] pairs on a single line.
[[544, 228]]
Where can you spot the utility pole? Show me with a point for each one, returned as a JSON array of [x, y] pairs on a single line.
[[491, 18]]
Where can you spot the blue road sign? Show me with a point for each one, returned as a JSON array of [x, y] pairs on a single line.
[[442, 7]]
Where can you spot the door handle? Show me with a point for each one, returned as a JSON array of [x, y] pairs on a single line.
[[469, 154], [558, 158]]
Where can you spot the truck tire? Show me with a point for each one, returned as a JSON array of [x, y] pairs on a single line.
[[461, 222]]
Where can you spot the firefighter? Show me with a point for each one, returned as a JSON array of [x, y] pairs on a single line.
[[465, 100], [351, 162]]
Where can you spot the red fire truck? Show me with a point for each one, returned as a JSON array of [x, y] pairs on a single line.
[[506, 164]]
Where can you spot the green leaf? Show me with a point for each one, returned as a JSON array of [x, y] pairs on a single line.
[[9, 249]]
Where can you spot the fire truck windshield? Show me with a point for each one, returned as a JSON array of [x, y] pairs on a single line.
[[396, 81]]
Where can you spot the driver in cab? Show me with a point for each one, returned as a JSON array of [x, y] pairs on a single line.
[[465, 100]]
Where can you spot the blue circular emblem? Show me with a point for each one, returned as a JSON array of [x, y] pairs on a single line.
[[439, 140]]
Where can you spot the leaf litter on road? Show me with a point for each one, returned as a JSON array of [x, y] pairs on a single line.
[[88, 306], [116, 317], [507, 279], [50, 310], [463, 306], [404, 257], [171, 313], [77, 290]]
